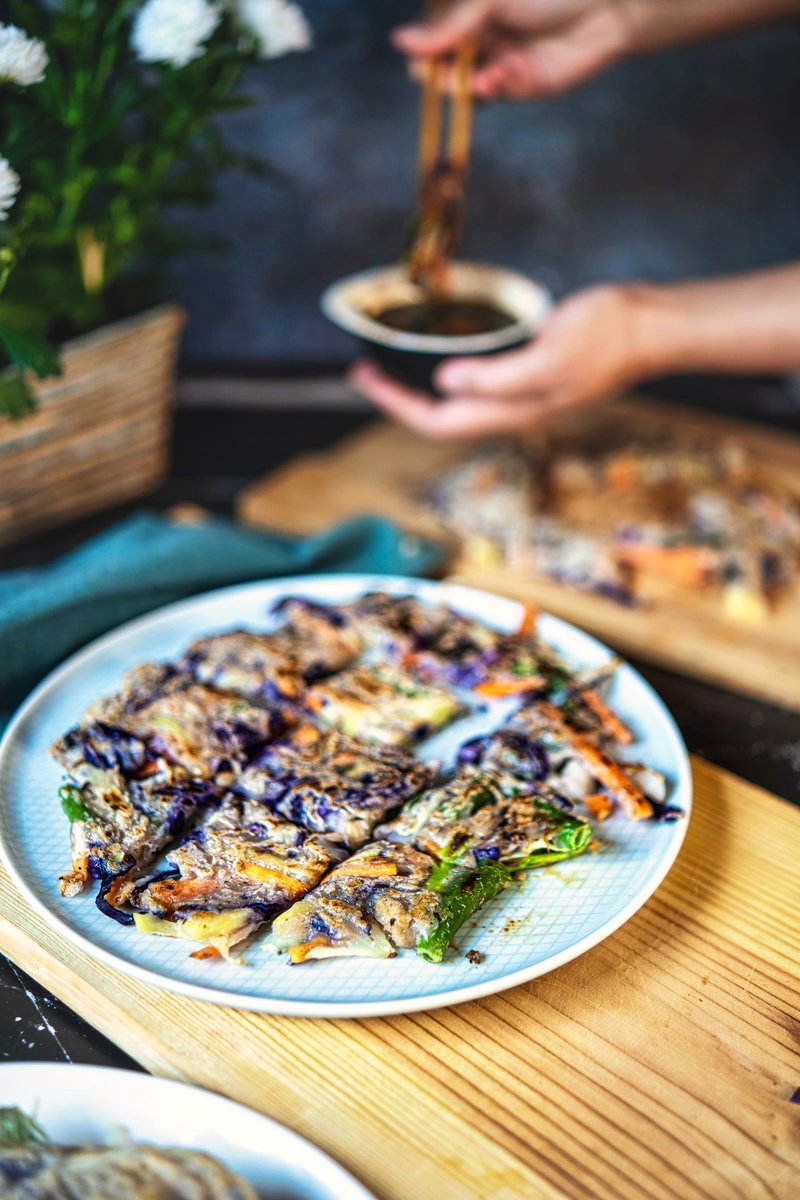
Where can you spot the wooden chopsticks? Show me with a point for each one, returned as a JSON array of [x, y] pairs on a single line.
[[431, 152], [430, 124], [461, 108], [442, 168]]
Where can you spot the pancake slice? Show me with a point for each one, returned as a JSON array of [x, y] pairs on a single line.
[[315, 641], [329, 783], [383, 703], [239, 869]]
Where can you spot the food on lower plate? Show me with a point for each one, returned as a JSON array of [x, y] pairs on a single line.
[[315, 640], [624, 519], [33, 1168], [205, 814], [329, 783], [380, 702]]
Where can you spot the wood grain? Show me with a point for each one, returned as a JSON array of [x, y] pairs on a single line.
[[658, 1065], [385, 469]]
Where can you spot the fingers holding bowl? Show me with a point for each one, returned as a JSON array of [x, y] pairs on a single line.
[[457, 416]]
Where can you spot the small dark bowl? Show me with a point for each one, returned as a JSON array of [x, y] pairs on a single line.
[[412, 358]]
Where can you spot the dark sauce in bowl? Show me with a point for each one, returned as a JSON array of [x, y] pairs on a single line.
[[446, 318]]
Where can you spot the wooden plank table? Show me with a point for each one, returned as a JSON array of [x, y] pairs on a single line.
[[385, 469], [661, 1064]]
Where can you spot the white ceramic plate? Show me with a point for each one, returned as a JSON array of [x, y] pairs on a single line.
[[554, 916], [75, 1104]]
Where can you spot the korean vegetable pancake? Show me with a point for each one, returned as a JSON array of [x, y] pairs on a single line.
[[270, 778], [450, 851], [472, 819], [373, 903], [118, 830], [628, 518]]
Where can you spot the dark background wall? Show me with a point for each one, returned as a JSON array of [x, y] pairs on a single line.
[[678, 165]]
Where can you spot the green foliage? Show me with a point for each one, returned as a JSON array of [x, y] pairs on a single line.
[[105, 147], [18, 1129]]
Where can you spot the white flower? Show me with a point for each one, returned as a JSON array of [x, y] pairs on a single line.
[[278, 26], [9, 186], [173, 31], [23, 59]]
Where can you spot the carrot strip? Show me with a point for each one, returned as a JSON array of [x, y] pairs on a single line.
[[300, 953], [690, 565], [612, 725], [206, 952], [509, 687], [112, 895], [612, 776], [599, 805], [527, 626], [607, 772], [172, 893], [268, 875], [367, 869]]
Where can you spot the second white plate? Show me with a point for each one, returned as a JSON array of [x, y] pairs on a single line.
[[77, 1105]]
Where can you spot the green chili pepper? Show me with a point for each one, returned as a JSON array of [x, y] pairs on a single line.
[[540, 858], [573, 837], [72, 803], [520, 667], [573, 833], [462, 896]]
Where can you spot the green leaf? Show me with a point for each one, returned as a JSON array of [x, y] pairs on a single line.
[[15, 396], [30, 353], [72, 803], [17, 1129]]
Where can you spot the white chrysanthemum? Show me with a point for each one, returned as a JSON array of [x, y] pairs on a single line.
[[9, 186], [278, 26], [173, 31], [23, 59]]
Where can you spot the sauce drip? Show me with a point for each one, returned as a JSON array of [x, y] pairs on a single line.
[[446, 318]]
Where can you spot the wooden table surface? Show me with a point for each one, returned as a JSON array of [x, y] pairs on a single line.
[[662, 1063]]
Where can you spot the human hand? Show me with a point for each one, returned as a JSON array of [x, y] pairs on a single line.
[[590, 347], [526, 48]]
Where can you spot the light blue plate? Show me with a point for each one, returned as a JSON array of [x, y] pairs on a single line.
[[555, 915]]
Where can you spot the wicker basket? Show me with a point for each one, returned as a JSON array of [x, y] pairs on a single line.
[[100, 434]]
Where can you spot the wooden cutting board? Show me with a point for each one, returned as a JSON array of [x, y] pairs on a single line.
[[661, 1064], [384, 468]]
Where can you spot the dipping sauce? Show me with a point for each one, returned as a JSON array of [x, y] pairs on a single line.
[[446, 318]]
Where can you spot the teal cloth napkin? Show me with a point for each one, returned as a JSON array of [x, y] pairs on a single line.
[[148, 560]]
